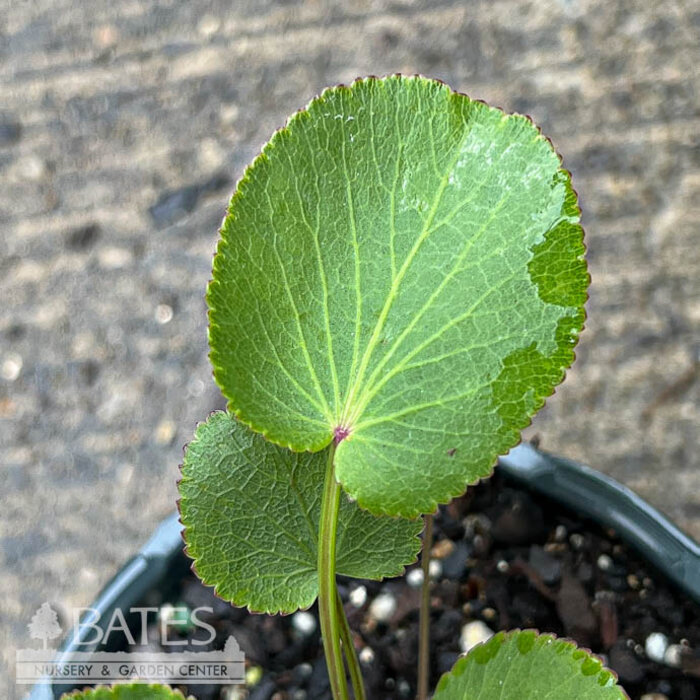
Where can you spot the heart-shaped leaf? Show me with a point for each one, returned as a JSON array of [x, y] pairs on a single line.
[[523, 665], [127, 691], [401, 269], [251, 515]]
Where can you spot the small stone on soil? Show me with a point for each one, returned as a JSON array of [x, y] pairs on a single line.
[[673, 656], [442, 549], [577, 541], [435, 569], [358, 596], [655, 646], [366, 656], [489, 614], [304, 623], [604, 563], [414, 578], [474, 633], [404, 688], [383, 607]]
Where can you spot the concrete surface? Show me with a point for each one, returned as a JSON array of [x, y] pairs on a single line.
[[123, 125]]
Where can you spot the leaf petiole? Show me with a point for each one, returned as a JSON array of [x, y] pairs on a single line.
[[327, 591], [424, 625], [358, 686]]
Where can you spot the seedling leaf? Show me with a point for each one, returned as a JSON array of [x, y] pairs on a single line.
[[401, 270], [127, 691], [523, 664], [251, 515]]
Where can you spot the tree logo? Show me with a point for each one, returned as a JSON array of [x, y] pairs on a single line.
[[44, 625]]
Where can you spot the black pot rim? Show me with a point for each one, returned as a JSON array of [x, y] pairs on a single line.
[[581, 489]]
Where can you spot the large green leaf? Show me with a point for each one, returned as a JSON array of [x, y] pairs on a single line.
[[527, 666], [401, 268], [127, 691], [251, 513]]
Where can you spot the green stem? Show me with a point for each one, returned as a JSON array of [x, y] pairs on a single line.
[[358, 686], [327, 607], [424, 624]]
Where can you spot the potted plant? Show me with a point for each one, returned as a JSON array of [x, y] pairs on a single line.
[[398, 287], [569, 498]]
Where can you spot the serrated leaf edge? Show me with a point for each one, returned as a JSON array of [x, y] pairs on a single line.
[[81, 694], [563, 642], [431, 505], [239, 600]]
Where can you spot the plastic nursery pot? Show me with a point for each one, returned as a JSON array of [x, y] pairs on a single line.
[[149, 575], [146, 577]]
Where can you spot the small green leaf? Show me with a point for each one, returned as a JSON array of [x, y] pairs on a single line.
[[127, 691], [402, 267], [524, 665], [251, 514]]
